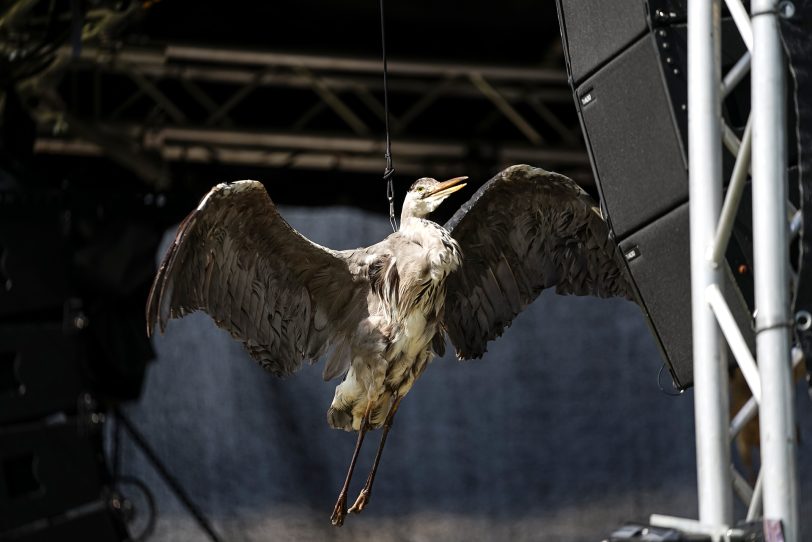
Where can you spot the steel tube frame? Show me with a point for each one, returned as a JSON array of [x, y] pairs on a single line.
[[705, 186], [278, 140], [331, 78], [741, 487], [750, 408], [690, 526], [735, 339], [730, 139], [766, 135], [771, 270], [338, 63], [331, 63], [743, 417], [343, 81], [736, 74], [742, 20], [504, 106], [734, 195], [756, 504]]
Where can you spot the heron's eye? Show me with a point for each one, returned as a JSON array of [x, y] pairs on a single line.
[[419, 188]]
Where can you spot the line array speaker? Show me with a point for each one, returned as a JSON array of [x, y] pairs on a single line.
[[627, 63]]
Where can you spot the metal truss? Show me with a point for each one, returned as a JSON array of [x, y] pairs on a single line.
[[178, 103], [764, 139]]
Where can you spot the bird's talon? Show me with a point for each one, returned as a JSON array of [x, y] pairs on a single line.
[[360, 502], [339, 512]]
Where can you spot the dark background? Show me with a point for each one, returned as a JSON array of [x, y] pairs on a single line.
[[560, 433]]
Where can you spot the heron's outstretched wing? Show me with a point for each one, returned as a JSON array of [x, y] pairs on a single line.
[[285, 298], [525, 230]]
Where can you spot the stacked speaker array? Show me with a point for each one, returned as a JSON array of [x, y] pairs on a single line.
[[53, 480], [627, 63]]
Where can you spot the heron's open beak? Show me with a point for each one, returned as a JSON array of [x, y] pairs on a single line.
[[448, 187]]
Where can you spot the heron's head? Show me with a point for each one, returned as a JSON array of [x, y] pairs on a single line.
[[426, 194]]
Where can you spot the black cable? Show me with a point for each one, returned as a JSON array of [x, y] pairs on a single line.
[[662, 389], [170, 480], [389, 172], [116, 448], [152, 518], [76, 24]]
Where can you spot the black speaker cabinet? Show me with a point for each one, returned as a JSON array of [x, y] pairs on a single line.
[[657, 256], [40, 371], [44, 471], [92, 522], [33, 264], [627, 62]]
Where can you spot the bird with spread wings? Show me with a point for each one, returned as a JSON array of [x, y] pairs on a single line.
[[377, 315]]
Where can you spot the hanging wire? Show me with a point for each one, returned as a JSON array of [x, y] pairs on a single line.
[[389, 172], [662, 389]]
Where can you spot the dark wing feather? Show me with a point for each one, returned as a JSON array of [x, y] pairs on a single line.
[[525, 230], [285, 298]]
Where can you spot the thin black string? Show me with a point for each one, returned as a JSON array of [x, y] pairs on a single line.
[[389, 172], [662, 389]]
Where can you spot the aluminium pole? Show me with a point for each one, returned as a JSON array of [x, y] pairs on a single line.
[[711, 409], [771, 272]]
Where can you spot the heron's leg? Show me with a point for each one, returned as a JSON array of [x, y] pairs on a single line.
[[363, 497], [340, 510]]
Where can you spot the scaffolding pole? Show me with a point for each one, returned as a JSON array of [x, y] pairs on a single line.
[[705, 186], [771, 273]]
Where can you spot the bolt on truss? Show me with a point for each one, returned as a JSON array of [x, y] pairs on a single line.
[[764, 139]]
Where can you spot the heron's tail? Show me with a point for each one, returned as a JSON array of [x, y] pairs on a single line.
[[340, 418], [344, 416]]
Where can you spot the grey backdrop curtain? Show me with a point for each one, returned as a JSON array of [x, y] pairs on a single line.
[[559, 434]]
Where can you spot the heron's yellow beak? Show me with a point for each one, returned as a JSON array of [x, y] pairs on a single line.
[[448, 187]]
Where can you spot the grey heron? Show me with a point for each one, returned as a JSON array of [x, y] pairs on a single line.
[[379, 314]]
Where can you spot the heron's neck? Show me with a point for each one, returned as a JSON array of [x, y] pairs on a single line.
[[411, 211]]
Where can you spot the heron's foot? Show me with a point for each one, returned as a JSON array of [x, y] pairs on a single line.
[[340, 511], [360, 502]]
